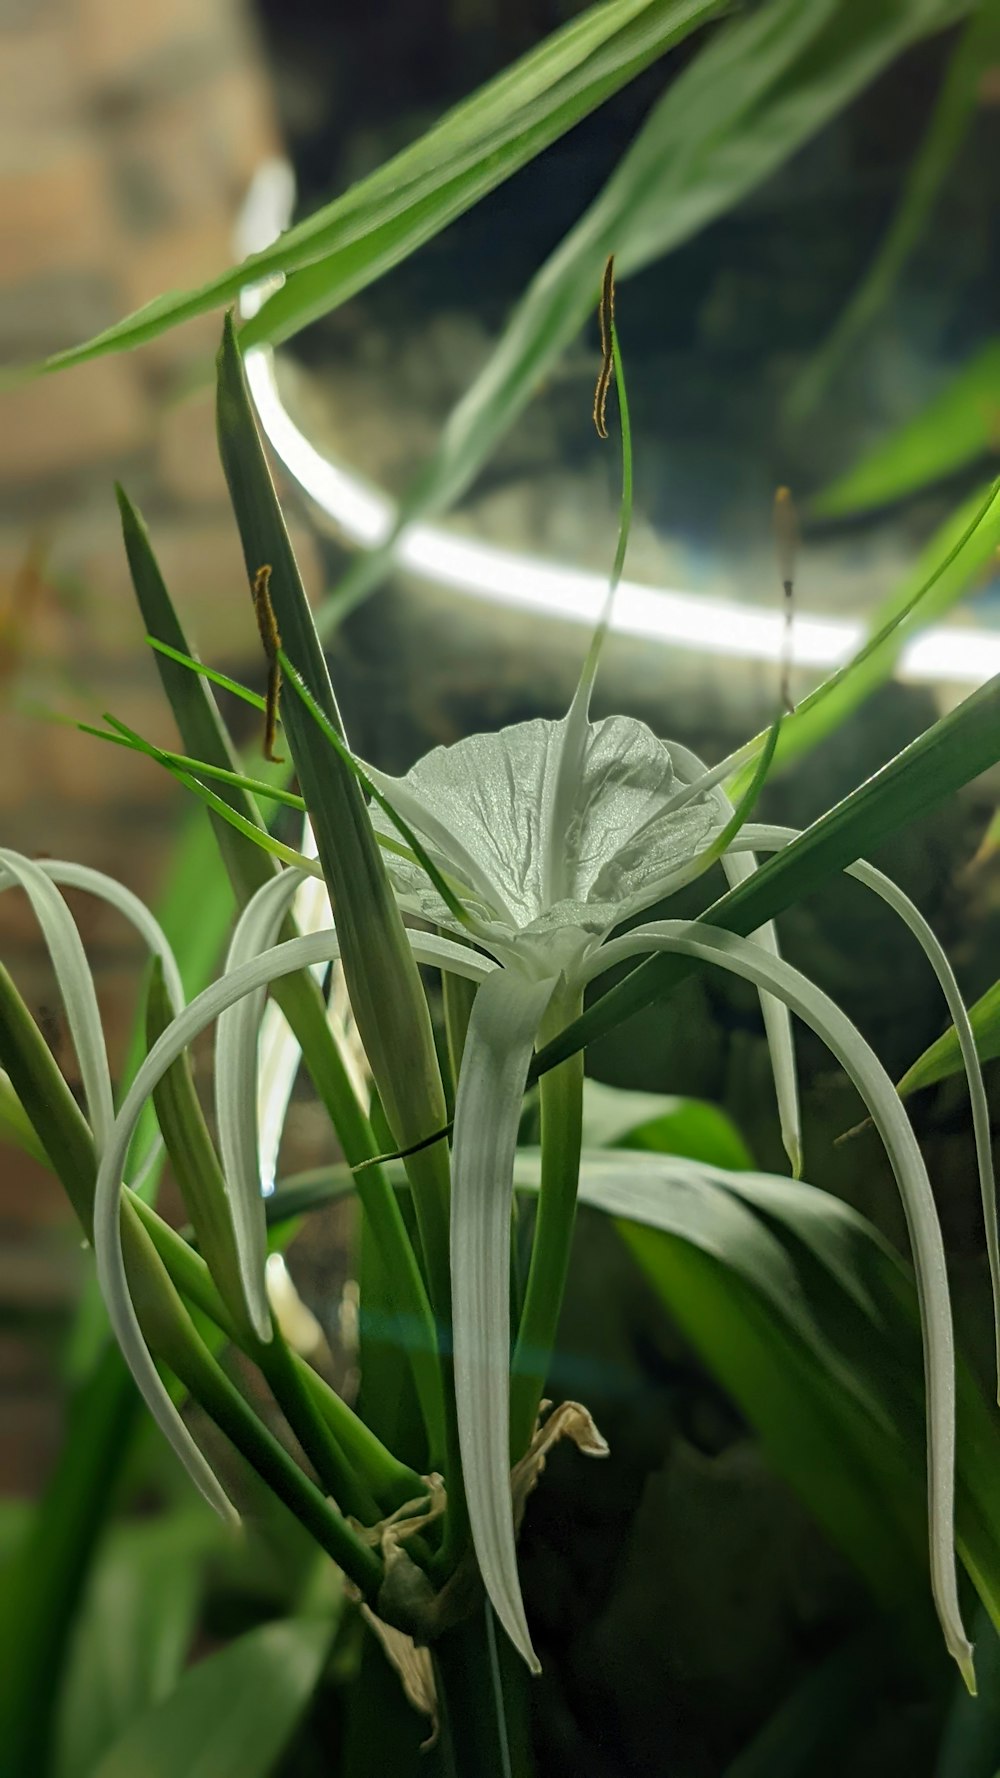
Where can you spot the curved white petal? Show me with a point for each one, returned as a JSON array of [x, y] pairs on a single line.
[[76, 985], [505, 1018], [744, 958], [738, 865], [249, 978], [772, 839], [492, 804], [96, 882], [278, 1051], [236, 1050]]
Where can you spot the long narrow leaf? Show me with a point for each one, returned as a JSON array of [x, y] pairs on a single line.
[[944, 1057], [952, 114], [761, 88], [958, 427], [958, 552], [474, 148]]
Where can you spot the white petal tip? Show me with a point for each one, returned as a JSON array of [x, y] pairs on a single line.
[[962, 1654], [791, 1142], [258, 1313]]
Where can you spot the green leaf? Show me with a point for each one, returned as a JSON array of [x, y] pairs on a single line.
[[959, 550], [951, 753], [382, 980], [810, 1319], [15, 1128], [41, 1594], [761, 88], [195, 712], [831, 1706], [614, 1117], [957, 428], [953, 111], [817, 1338], [944, 1056], [133, 1633], [473, 149], [233, 1715]]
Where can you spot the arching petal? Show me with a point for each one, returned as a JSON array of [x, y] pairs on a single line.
[[744, 958], [76, 985], [249, 978], [505, 1018], [236, 1048], [738, 865], [772, 839]]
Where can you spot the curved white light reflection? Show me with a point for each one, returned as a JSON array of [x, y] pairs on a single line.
[[699, 621]]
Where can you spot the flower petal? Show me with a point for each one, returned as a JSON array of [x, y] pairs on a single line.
[[249, 978], [738, 865], [505, 1018], [236, 1044], [744, 958], [96, 882], [76, 985], [490, 804], [772, 839]]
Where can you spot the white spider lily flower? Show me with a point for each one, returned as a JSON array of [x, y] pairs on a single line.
[[248, 979], [546, 876]]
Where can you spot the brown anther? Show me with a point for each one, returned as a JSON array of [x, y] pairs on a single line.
[[605, 317], [271, 642]]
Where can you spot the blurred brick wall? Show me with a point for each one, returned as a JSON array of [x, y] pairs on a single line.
[[130, 133]]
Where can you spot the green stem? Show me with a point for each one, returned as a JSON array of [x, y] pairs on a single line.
[[166, 1324], [171, 1334], [389, 1481], [561, 1093], [302, 1005], [482, 1693]]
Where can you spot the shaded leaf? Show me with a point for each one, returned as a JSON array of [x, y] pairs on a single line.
[[944, 1057], [614, 1117], [231, 1716], [958, 427], [474, 148], [133, 1633]]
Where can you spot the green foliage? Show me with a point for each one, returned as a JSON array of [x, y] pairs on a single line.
[[233, 1714], [383, 218], [944, 1057], [956, 750], [957, 429]]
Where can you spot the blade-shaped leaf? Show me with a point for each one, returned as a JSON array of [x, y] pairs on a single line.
[[810, 1318], [953, 112], [957, 553], [958, 427], [233, 1714], [614, 1117], [760, 89], [944, 1057], [473, 148], [133, 1634]]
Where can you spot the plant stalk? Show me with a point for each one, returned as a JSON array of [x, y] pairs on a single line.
[[561, 1099]]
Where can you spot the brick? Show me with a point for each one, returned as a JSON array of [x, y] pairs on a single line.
[[187, 458], [82, 420], [41, 78], [120, 45], [54, 201]]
